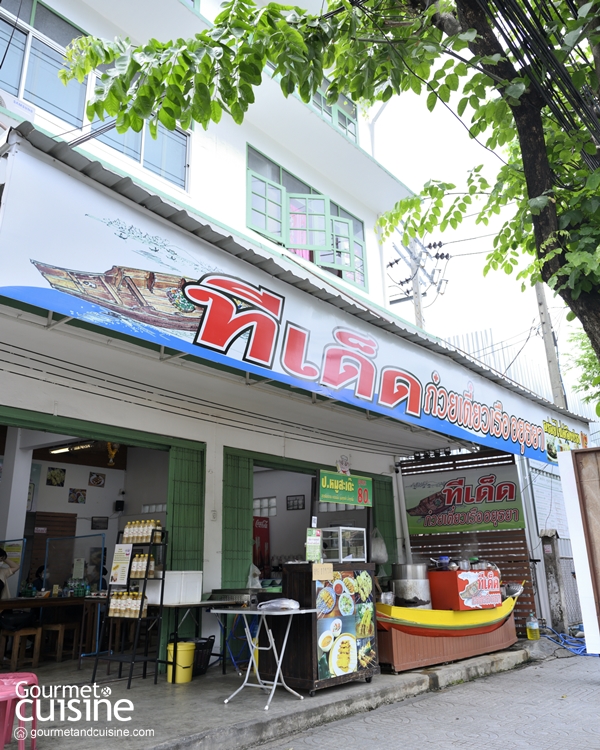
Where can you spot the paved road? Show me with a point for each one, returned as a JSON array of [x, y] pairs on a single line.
[[550, 705]]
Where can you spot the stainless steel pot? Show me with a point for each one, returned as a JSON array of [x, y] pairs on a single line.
[[409, 571]]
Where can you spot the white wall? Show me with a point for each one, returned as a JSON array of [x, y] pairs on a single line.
[[288, 528], [99, 500]]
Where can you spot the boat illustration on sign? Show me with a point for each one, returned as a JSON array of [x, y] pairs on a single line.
[[149, 297]]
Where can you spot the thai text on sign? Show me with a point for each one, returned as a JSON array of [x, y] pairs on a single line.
[[339, 488]]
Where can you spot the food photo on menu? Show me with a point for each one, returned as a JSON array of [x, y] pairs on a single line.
[[345, 624]]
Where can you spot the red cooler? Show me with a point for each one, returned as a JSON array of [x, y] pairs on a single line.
[[464, 589]]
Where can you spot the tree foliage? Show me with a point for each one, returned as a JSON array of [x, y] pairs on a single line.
[[445, 51], [583, 359]]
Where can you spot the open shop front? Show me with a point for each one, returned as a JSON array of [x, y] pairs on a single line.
[[254, 364], [67, 494], [290, 505]]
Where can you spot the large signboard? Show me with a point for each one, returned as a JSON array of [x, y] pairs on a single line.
[[469, 500], [70, 247]]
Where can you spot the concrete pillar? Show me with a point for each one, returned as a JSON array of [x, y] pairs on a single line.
[[554, 578], [14, 487]]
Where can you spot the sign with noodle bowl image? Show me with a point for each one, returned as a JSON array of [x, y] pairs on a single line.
[[483, 499]]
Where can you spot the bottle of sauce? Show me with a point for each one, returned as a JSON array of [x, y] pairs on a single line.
[[533, 627]]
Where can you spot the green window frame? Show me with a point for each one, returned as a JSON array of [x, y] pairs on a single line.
[[343, 115], [308, 224], [266, 206], [193, 5], [308, 220]]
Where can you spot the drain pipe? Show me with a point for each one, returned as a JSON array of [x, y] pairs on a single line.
[[401, 506]]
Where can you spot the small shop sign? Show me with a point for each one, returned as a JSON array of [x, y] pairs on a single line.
[[486, 499], [314, 545], [350, 490]]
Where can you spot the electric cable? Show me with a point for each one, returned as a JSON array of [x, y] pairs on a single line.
[[390, 43], [12, 33], [531, 330]]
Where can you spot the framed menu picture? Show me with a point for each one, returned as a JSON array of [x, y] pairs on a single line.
[[295, 502]]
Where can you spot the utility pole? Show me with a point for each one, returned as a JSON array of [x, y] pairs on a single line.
[[558, 391], [415, 267]]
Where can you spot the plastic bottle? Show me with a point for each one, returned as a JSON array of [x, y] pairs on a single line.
[[127, 533], [151, 566], [533, 627]]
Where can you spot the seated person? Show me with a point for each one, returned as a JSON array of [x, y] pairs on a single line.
[[38, 581], [7, 569]]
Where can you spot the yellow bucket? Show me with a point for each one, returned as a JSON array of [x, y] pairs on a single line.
[[185, 661]]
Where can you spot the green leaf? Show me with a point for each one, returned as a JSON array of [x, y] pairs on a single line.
[[585, 9], [571, 315], [215, 111], [468, 36], [515, 90], [593, 181], [570, 39], [452, 82], [444, 93], [431, 101]]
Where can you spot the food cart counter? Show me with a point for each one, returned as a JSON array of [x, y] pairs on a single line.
[[338, 643]]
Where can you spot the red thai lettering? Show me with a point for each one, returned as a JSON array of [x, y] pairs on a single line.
[[344, 365], [397, 386], [225, 319], [293, 356], [484, 492]]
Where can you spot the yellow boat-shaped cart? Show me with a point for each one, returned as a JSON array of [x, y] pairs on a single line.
[[443, 622], [411, 638]]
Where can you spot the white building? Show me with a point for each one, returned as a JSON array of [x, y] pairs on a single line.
[[119, 252]]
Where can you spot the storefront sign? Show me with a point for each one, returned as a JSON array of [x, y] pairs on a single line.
[[314, 545], [350, 490], [469, 500], [143, 277]]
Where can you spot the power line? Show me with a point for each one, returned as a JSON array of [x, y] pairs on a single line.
[[12, 33]]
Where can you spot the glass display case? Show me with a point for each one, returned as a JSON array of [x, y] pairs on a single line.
[[344, 544]]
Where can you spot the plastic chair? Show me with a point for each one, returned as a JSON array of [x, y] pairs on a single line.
[[7, 708]]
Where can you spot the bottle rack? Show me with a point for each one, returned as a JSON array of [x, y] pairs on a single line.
[[145, 624]]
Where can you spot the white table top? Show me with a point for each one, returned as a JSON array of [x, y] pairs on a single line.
[[275, 612]]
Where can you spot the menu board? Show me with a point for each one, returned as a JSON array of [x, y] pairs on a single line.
[[345, 624], [119, 570]]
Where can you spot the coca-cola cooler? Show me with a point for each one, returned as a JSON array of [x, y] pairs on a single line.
[[464, 589]]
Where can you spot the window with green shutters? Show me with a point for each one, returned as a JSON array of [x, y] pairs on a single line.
[[309, 224]]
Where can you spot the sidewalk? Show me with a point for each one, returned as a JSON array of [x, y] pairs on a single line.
[[194, 717]]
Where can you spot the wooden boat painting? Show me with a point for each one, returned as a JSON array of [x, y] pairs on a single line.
[[439, 623], [149, 297]]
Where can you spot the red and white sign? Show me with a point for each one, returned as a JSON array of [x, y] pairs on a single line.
[[144, 278]]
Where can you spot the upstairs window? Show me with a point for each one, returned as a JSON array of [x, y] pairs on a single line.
[[30, 71], [307, 223], [342, 115]]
